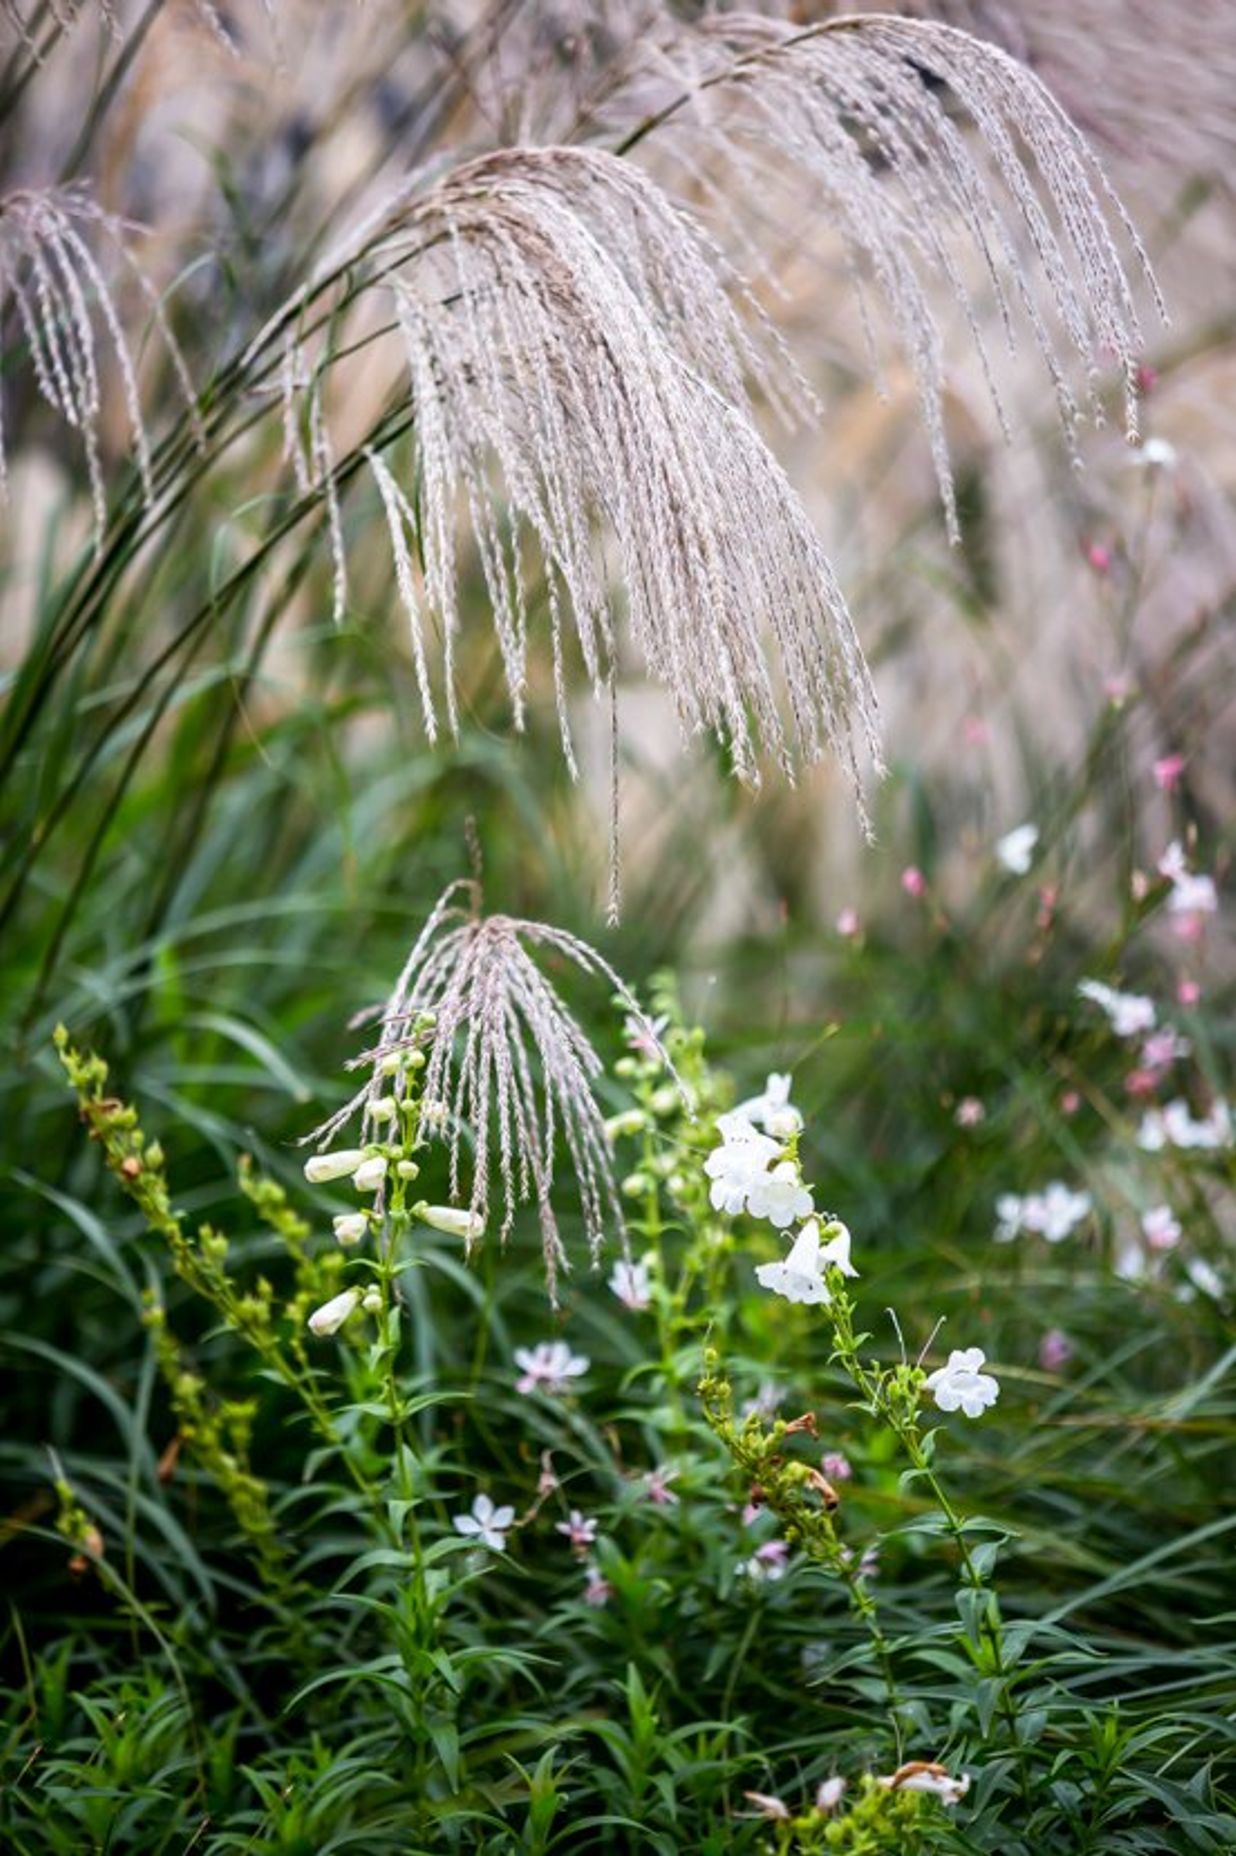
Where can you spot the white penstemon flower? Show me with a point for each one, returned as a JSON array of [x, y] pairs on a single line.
[[801, 1277], [350, 1227], [742, 1159], [780, 1196], [320, 1169], [454, 1220], [330, 1317], [772, 1110], [486, 1525], [370, 1174], [961, 1384]]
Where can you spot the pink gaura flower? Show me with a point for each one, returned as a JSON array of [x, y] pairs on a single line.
[[1141, 1082], [657, 1489], [597, 1589], [1167, 772], [1070, 1102], [1099, 557], [1188, 993], [975, 732], [913, 881], [1055, 1350], [836, 1466], [969, 1112], [848, 924], [1161, 1228]]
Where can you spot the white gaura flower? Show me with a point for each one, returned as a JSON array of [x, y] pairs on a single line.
[[1175, 1126], [1015, 850], [331, 1316], [548, 1367], [1055, 1211], [801, 1277], [920, 1775], [321, 1168], [1010, 1216], [773, 1111], [630, 1282], [486, 1524], [1129, 1013], [370, 1173], [779, 1196], [961, 1385], [1155, 454], [350, 1227], [829, 1794], [454, 1220], [1191, 894]]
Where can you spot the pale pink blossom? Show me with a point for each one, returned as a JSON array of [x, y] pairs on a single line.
[[1188, 993], [579, 1529], [1055, 1350], [657, 1489], [975, 732], [829, 1794], [913, 881], [849, 925], [1168, 771], [836, 1466], [548, 1367], [1164, 1047], [597, 1589], [767, 1563], [1099, 557], [969, 1112], [1070, 1102], [630, 1283], [1161, 1228]]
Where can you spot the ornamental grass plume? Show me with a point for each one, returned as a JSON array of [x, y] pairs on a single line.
[[927, 150], [57, 296], [577, 374], [506, 1067]]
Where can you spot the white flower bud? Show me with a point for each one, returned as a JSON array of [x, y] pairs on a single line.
[[370, 1173], [323, 1167], [371, 1301], [407, 1169], [454, 1221], [382, 1108], [350, 1227], [331, 1316], [391, 1064]]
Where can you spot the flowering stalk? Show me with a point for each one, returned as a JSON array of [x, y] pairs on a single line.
[[803, 1500]]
